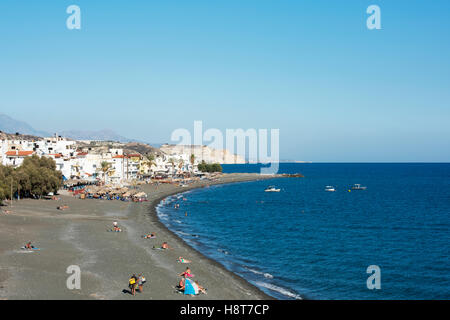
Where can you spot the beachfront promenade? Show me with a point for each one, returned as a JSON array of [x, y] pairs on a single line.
[[78, 236]]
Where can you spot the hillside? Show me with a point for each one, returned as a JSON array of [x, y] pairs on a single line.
[[104, 146], [10, 136], [10, 125], [100, 135]]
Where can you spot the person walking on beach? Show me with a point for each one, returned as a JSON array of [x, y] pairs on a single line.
[[141, 281], [132, 284]]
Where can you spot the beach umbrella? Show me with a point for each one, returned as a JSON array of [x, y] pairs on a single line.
[[140, 194], [190, 287]]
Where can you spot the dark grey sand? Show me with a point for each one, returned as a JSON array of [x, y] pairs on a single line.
[[78, 236]]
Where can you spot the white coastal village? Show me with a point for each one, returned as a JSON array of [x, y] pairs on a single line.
[[112, 163]]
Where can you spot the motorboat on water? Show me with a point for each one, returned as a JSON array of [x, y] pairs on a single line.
[[330, 189], [271, 189], [358, 187]]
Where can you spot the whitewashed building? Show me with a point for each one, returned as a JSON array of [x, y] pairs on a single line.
[[15, 158], [55, 145]]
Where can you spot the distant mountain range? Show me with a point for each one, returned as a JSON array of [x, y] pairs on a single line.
[[104, 135], [10, 125]]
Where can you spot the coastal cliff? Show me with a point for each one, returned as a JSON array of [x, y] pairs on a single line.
[[203, 153]]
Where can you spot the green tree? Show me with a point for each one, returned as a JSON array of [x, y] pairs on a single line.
[[104, 167], [202, 166], [35, 178], [209, 167], [216, 167], [150, 161], [192, 159]]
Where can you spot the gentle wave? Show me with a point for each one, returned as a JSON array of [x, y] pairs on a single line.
[[163, 216], [278, 289], [265, 274], [183, 233]]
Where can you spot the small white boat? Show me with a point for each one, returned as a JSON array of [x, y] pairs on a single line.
[[271, 189], [358, 187], [330, 189]]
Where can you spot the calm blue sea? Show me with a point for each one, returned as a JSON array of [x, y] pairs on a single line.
[[304, 242]]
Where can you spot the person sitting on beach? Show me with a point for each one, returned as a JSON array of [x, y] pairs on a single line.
[[29, 246], [187, 273], [183, 260], [181, 284], [149, 236], [200, 288]]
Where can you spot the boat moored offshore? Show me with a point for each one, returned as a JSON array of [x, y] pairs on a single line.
[[358, 187], [271, 189]]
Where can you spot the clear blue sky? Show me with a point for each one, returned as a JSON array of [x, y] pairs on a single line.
[[336, 90]]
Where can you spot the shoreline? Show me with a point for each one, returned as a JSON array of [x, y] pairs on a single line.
[[154, 215], [78, 236]]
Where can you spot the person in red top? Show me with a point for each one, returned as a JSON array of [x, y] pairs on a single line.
[[187, 273]]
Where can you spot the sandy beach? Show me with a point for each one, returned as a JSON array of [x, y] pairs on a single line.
[[78, 236]]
